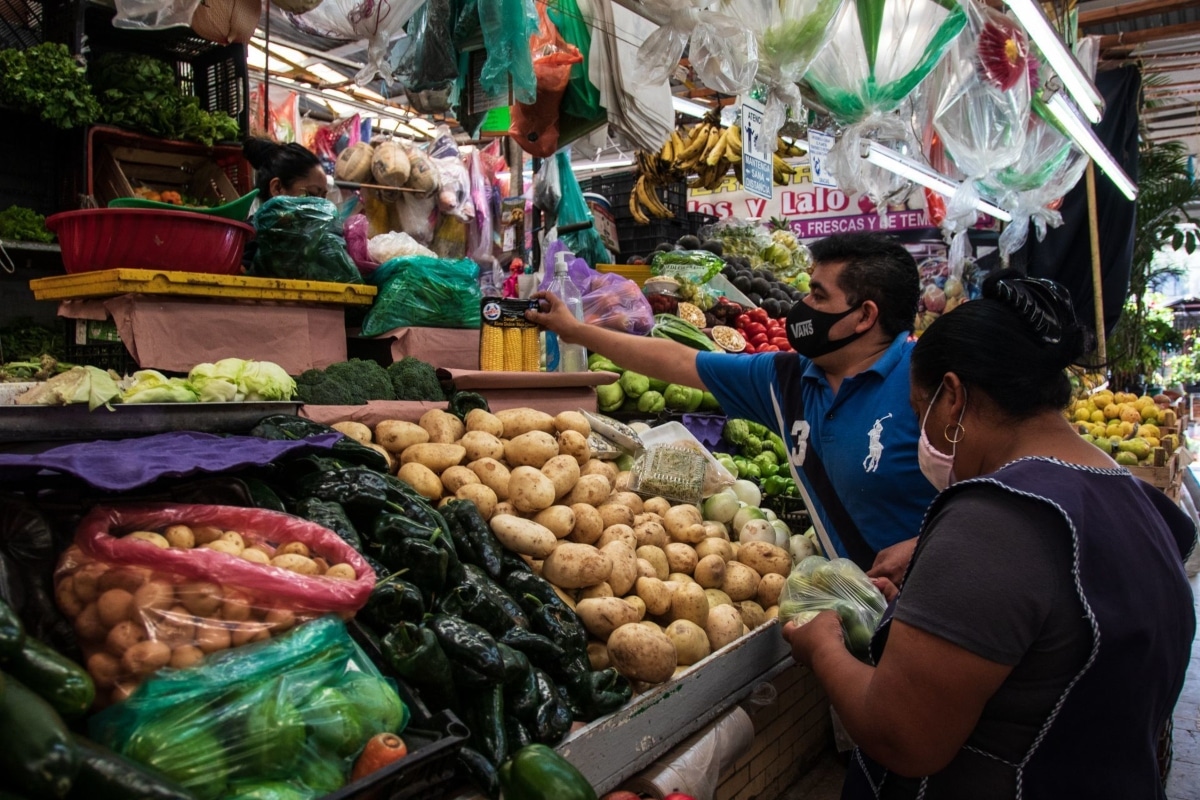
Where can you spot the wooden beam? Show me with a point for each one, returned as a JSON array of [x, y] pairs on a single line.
[[1126, 11], [1118, 40]]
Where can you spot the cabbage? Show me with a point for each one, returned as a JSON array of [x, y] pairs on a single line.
[[151, 386], [89, 385], [213, 388], [266, 380]]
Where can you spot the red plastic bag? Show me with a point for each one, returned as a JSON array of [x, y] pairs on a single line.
[[138, 606], [535, 126]]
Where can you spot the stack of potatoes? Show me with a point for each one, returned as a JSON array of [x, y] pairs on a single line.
[[656, 586]]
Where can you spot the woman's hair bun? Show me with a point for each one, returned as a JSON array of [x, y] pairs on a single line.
[[1044, 305], [259, 151]]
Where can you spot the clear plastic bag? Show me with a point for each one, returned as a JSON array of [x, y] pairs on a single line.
[[421, 291], [353, 20], [789, 34], [507, 27], [138, 607], [386, 246], [427, 64], [547, 192], [724, 52], [697, 266], [673, 471], [417, 216], [856, 175], [154, 14], [301, 238], [880, 50], [284, 718], [674, 434], [535, 125], [454, 193], [609, 300], [480, 234], [817, 584]]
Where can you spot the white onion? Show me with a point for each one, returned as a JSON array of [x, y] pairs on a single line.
[[747, 492], [769, 515], [782, 533], [722, 506], [744, 515], [801, 547], [757, 530]]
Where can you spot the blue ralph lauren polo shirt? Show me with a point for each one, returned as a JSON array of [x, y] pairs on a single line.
[[865, 437]]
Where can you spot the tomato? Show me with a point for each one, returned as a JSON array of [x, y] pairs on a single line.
[[754, 329], [678, 796], [758, 315], [758, 339], [779, 341], [770, 348], [749, 348]]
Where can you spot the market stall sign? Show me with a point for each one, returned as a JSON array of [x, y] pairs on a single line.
[[757, 173]]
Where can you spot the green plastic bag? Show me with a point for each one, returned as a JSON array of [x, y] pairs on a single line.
[[301, 238], [282, 718], [572, 210], [427, 292], [582, 99], [507, 26]]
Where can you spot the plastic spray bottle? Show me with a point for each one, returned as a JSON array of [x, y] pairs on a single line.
[[560, 356]]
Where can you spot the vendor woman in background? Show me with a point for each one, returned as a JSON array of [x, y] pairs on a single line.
[[1043, 630], [284, 169]]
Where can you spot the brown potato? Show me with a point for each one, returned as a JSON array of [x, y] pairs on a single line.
[[124, 635], [523, 536], [689, 602], [294, 563], [624, 569], [247, 632], [392, 462], [618, 533], [684, 524], [422, 479], [772, 612], [485, 422], [657, 558], [632, 501], [752, 613], [710, 572], [236, 608], [481, 444], [154, 596], [573, 421], [211, 637], [104, 668], [180, 536], [615, 513], [765, 558], [185, 655], [563, 472], [574, 566], [203, 534], [505, 508], [564, 596], [529, 490], [299, 548], [575, 445], [646, 569], [87, 581], [482, 496], [641, 652], [656, 505], [639, 605], [279, 620], [322, 565], [175, 626], [114, 606], [588, 524], [127, 578], [623, 482], [741, 582], [599, 590], [88, 625], [597, 466], [655, 595], [690, 640], [723, 626], [518, 421], [255, 556], [591, 489], [64, 595], [559, 519], [598, 655], [454, 478], [144, 658], [436, 457], [202, 599], [650, 533], [681, 557], [492, 474], [354, 430], [603, 615], [680, 577], [149, 537], [224, 546], [715, 546], [769, 588], [342, 572], [531, 449], [443, 428], [717, 598], [396, 435]]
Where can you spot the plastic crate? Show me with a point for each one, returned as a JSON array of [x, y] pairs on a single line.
[[215, 73], [697, 221], [433, 741], [640, 240], [89, 343]]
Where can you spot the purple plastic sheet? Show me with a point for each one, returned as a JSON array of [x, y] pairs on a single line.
[[130, 463]]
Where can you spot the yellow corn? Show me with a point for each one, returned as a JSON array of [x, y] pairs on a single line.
[[513, 360], [491, 348], [530, 357]]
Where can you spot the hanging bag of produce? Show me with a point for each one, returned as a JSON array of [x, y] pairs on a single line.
[[418, 291], [880, 50], [284, 718], [981, 112], [152, 586], [609, 300], [301, 238], [507, 28], [428, 61], [573, 211], [535, 125]]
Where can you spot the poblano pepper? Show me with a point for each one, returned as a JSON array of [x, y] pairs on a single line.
[[468, 644], [464, 517], [474, 576], [288, 427], [474, 605], [392, 601], [532, 591], [521, 699], [485, 717], [518, 735], [262, 494], [536, 772], [482, 773], [553, 719], [330, 514], [560, 625], [596, 693], [516, 664], [540, 650], [414, 652], [425, 562], [463, 403]]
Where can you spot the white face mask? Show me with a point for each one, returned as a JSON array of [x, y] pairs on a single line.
[[936, 466]]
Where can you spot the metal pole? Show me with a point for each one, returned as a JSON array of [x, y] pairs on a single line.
[[1097, 289]]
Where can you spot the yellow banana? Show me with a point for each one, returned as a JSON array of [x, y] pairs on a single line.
[[717, 151], [733, 141], [677, 144], [635, 210], [696, 145], [668, 150]]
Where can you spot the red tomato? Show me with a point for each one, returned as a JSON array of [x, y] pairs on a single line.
[[758, 339], [749, 348], [779, 341], [755, 328], [760, 314], [621, 795], [770, 348]]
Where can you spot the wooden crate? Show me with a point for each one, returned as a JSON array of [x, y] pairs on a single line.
[[1163, 473]]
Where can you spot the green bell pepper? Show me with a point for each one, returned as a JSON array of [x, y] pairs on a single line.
[[610, 396], [598, 363], [538, 773], [749, 471], [634, 384], [729, 464], [776, 485], [651, 402], [768, 470], [766, 457]]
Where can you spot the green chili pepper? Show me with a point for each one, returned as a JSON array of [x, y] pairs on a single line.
[[414, 652], [394, 600], [485, 716], [481, 771]]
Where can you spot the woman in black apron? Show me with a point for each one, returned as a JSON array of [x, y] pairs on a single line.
[[1044, 627]]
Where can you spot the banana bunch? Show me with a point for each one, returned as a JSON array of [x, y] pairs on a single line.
[[645, 203]]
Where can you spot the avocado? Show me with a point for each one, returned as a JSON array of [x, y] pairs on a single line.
[[714, 246], [754, 298], [771, 306], [689, 242], [664, 247], [742, 283], [760, 286], [768, 275], [779, 294]]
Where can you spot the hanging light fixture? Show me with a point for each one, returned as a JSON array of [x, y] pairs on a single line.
[[887, 158], [1067, 115], [1029, 13]]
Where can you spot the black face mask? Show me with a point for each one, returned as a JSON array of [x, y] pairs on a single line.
[[808, 330]]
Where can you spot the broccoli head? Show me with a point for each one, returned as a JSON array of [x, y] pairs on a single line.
[[316, 388], [363, 377], [413, 379]]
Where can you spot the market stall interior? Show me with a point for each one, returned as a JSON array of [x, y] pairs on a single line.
[[297, 502]]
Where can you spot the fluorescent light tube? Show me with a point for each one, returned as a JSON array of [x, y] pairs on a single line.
[[1029, 13], [1067, 115], [592, 166], [915, 171], [689, 107]]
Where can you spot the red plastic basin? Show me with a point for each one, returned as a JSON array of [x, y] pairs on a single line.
[[134, 238]]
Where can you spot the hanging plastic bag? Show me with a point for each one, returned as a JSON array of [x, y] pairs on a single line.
[[283, 718], [154, 14], [353, 20], [535, 125], [507, 27], [724, 52], [572, 211], [547, 190], [454, 194], [479, 231], [300, 237], [582, 98], [982, 110], [386, 246], [181, 604], [817, 584], [356, 232], [427, 61], [422, 291], [417, 216]]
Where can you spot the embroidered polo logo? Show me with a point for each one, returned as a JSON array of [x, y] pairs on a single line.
[[874, 445]]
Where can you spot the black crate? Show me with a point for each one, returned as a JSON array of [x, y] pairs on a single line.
[[44, 172], [640, 240], [697, 221], [83, 350], [216, 74], [433, 741], [616, 188], [24, 23]]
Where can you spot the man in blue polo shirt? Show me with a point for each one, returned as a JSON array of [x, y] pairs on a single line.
[[840, 402]]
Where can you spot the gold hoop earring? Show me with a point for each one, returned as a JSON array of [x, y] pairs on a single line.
[[958, 431]]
